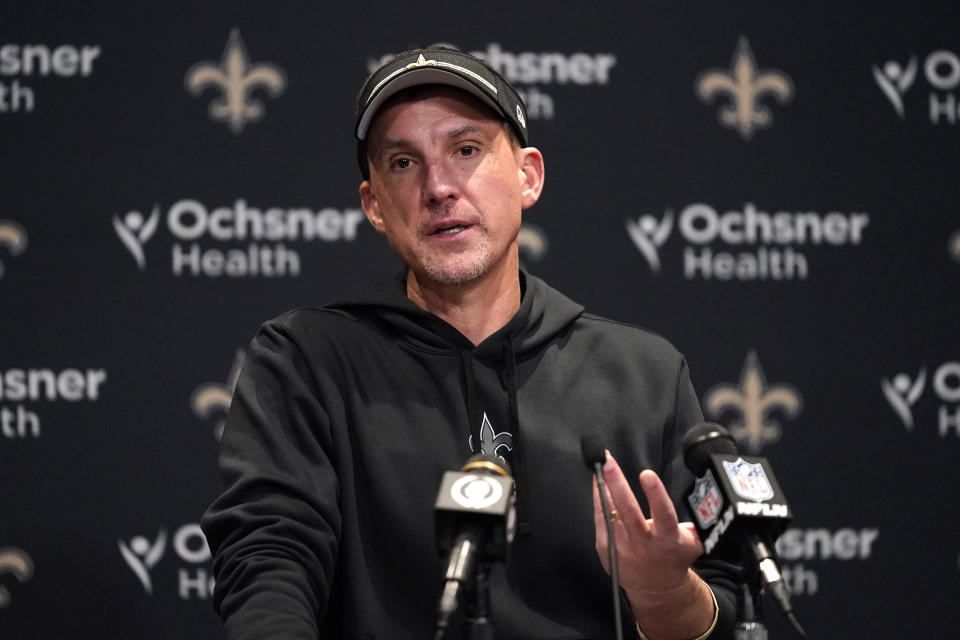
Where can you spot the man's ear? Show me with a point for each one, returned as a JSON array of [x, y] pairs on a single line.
[[531, 175], [371, 208]]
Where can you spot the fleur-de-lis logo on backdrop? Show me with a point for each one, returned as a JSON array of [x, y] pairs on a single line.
[[533, 242], [13, 238], [213, 397], [17, 563], [953, 245], [745, 86], [755, 401], [236, 80]]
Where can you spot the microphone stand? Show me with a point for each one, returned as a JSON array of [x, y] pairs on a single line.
[[760, 576], [483, 535], [476, 622], [611, 550], [749, 624]]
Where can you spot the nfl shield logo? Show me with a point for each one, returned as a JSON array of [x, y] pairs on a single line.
[[705, 500], [748, 480]]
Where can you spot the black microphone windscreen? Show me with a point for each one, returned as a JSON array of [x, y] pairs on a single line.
[[703, 440], [591, 445]]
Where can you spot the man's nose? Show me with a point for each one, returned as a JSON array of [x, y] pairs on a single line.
[[439, 183]]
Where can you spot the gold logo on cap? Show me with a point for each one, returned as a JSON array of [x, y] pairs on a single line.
[[421, 62], [745, 85]]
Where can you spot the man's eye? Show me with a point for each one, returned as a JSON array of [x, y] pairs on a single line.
[[401, 163], [467, 150]]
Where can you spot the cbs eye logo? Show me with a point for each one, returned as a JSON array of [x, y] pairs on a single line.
[[476, 492]]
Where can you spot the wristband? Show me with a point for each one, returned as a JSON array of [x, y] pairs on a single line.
[[716, 616]]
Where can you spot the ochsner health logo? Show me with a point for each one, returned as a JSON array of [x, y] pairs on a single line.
[[940, 73], [22, 389], [803, 551], [236, 240], [903, 391], [532, 71], [742, 244], [190, 551], [134, 230], [29, 61]]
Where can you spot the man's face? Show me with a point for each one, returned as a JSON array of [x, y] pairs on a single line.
[[447, 185]]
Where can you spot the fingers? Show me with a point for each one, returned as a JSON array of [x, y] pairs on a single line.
[[690, 530], [622, 497], [662, 512], [651, 552], [663, 516]]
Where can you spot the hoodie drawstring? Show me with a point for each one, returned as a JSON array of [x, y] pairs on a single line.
[[466, 361], [519, 463], [509, 381]]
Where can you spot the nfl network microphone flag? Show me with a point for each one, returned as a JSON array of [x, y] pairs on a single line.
[[737, 491]]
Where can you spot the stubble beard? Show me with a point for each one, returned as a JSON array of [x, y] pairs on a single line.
[[452, 267], [457, 268]]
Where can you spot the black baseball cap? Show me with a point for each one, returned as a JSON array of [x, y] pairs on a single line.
[[438, 65]]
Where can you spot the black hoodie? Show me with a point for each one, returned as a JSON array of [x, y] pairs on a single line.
[[345, 419]]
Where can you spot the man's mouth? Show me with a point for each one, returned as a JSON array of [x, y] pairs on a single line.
[[449, 227], [453, 229]]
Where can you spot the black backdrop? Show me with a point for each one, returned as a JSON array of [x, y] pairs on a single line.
[[803, 251]]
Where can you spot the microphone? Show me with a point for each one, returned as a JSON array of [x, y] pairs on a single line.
[[475, 521], [594, 455], [738, 506]]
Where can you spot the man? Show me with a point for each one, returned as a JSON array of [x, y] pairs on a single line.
[[346, 416]]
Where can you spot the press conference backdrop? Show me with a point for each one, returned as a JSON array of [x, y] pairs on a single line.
[[773, 189]]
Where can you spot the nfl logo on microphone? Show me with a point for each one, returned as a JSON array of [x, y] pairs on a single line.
[[749, 480], [705, 500]]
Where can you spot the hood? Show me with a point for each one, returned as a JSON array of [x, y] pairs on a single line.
[[544, 312]]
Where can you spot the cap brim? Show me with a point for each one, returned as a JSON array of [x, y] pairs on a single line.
[[413, 78]]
